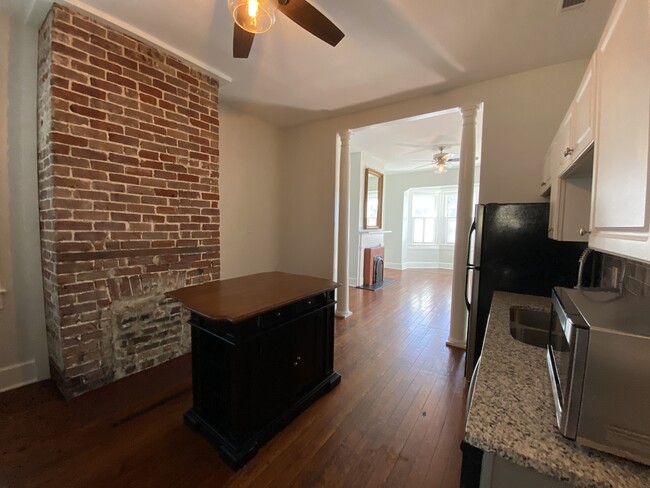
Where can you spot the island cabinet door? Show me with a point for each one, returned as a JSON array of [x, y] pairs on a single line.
[[272, 366], [308, 356], [219, 371]]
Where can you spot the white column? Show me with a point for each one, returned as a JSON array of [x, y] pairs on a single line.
[[343, 292], [464, 216]]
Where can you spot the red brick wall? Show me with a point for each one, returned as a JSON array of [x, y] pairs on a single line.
[[128, 172]]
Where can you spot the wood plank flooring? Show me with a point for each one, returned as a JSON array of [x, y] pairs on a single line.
[[395, 420]]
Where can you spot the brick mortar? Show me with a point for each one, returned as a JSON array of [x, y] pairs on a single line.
[[128, 175]]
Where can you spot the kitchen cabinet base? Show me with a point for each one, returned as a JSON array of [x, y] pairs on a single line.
[[236, 455]]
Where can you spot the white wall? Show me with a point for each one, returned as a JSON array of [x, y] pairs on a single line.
[[23, 346], [521, 114], [250, 187]]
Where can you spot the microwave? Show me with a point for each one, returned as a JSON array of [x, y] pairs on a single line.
[[598, 357]]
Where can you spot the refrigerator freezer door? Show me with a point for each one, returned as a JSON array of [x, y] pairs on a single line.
[[474, 248]]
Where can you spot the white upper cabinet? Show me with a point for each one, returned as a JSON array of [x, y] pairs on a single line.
[[569, 162], [584, 113], [620, 198], [575, 135], [564, 153]]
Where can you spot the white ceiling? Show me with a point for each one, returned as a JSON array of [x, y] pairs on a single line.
[[393, 49], [409, 144]]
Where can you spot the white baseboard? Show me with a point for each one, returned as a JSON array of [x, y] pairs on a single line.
[[17, 375], [416, 265]]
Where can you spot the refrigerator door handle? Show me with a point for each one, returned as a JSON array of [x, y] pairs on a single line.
[[469, 266], [472, 229], [467, 304], [467, 270]]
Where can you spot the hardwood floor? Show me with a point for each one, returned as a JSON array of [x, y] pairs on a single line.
[[395, 420]]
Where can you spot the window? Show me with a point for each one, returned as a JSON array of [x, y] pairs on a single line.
[[451, 201], [423, 218], [432, 215]]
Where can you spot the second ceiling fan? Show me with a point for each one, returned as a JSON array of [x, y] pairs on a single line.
[[441, 161], [257, 16]]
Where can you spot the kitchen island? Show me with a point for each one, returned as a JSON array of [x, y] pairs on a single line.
[[512, 416], [262, 352]]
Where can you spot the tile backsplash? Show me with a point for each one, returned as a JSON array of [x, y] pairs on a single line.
[[636, 275]]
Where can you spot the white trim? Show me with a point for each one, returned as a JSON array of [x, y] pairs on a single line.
[[17, 375], [418, 265], [434, 247], [148, 38]]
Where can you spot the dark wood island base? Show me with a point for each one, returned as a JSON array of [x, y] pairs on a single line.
[[262, 352], [237, 455]]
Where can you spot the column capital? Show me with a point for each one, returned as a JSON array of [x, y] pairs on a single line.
[[345, 136], [469, 112]]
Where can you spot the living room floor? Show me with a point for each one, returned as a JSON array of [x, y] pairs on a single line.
[[396, 419]]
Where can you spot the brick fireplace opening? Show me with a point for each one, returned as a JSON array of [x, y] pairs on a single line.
[[371, 256], [129, 201]]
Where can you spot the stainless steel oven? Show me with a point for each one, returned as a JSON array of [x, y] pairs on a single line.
[[599, 362]]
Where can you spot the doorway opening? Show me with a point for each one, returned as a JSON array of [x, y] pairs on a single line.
[[419, 161]]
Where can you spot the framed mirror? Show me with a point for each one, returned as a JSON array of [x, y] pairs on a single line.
[[372, 199]]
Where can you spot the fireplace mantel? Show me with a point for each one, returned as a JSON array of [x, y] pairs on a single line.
[[367, 238]]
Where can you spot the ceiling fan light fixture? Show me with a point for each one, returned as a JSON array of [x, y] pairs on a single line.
[[441, 168], [255, 16]]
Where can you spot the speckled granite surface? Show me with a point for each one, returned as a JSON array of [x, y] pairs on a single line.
[[513, 414]]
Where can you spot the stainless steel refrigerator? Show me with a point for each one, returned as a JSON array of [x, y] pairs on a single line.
[[509, 250]]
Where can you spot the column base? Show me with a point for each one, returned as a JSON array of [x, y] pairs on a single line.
[[343, 315], [456, 344]]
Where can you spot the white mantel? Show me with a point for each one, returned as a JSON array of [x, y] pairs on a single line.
[[367, 238]]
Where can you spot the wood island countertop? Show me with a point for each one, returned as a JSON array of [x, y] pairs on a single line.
[[238, 299]]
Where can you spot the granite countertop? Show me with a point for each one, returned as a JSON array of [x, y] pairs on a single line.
[[513, 414]]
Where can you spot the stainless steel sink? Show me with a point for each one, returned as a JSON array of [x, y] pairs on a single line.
[[530, 326]]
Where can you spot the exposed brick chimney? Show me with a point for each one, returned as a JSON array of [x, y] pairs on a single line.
[[128, 173]]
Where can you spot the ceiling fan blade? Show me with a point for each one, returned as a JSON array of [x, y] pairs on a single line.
[[242, 42], [424, 165], [458, 159], [309, 18]]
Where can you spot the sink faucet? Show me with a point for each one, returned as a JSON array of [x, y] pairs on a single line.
[[581, 266]]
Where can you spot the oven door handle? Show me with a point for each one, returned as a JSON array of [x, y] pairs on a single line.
[[555, 385]]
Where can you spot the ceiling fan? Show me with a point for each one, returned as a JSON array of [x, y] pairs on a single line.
[[441, 161], [257, 16]]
